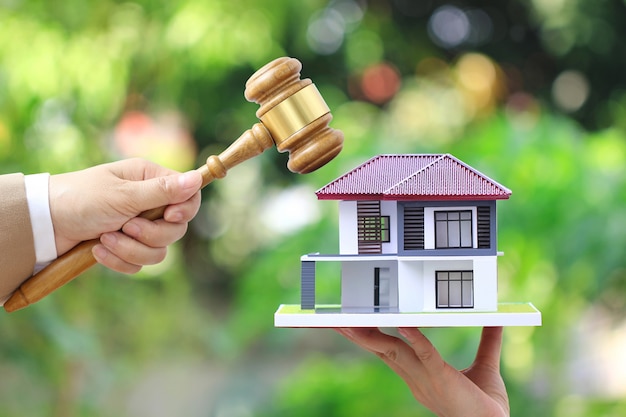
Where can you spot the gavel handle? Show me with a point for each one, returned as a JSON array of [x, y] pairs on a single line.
[[61, 271], [80, 258]]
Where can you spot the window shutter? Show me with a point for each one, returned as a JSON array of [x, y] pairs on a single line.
[[368, 226], [307, 278], [413, 228], [484, 227]]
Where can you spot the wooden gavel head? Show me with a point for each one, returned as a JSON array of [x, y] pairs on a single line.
[[295, 115]]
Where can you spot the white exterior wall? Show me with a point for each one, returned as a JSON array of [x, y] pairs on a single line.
[[410, 286], [417, 282], [430, 267], [486, 283], [348, 234], [357, 283]]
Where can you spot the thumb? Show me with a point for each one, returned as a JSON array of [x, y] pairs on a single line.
[[489, 348], [163, 191]]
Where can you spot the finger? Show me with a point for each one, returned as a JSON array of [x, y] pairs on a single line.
[[373, 340], [132, 251], [386, 348], [155, 234], [393, 351], [163, 191], [489, 348], [138, 169], [424, 350], [111, 261], [183, 212]]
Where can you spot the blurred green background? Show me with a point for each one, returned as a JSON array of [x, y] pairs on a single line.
[[532, 93]]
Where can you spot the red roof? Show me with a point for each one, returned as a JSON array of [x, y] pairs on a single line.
[[413, 177]]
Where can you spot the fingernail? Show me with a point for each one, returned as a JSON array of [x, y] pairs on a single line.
[[108, 239], [186, 180], [100, 252], [347, 332], [131, 229], [174, 217]]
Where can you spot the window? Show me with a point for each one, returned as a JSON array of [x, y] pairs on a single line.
[[453, 229], [374, 229], [455, 289], [370, 225]]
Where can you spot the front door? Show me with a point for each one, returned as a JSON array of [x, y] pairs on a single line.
[[381, 288]]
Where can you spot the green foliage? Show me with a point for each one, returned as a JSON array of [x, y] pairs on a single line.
[[316, 388], [196, 333]]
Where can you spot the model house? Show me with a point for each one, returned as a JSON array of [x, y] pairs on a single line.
[[417, 242]]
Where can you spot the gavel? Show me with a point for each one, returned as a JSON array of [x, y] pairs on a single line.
[[293, 115]]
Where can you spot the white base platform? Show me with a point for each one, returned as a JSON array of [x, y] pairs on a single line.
[[508, 314]]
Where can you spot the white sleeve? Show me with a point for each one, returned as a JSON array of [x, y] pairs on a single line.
[[41, 219]]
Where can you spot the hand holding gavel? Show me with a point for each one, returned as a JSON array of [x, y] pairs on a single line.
[[293, 115]]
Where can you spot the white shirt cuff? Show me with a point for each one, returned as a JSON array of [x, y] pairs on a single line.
[[40, 219]]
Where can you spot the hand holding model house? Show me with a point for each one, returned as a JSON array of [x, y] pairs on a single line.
[[418, 248], [477, 391]]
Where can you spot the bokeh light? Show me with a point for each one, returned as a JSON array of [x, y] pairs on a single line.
[[450, 26], [479, 77], [570, 90], [364, 48], [327, 29], [164, 139], [325, 32], [380, 83]]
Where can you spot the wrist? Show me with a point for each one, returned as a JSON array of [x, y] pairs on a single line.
[[58, 201]]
